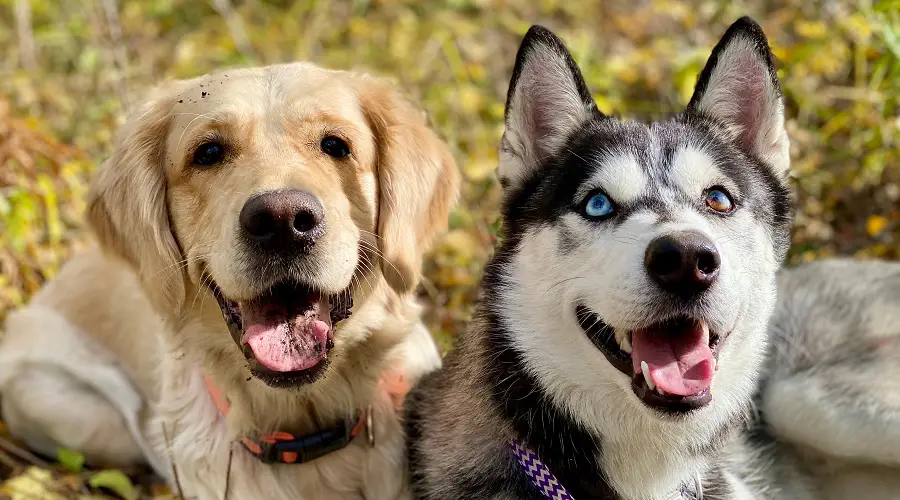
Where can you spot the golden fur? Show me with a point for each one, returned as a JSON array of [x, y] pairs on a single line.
[[109, 357]]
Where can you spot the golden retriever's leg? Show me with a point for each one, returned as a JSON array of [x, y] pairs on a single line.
[[60, 389], [49, 408]]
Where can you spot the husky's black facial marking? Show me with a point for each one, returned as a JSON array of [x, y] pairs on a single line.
[[568, 449], [567, 241], [549, 193]]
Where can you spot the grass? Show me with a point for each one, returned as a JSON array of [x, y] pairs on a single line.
[[70, 69]]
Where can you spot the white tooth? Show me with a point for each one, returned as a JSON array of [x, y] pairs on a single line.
[[626, 343], [646, 370], [660, 391], [705, 328]]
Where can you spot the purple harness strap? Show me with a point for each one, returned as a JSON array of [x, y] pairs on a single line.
[[544, 480], [540, 475]]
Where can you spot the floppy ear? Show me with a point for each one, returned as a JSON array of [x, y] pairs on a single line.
[[127, 206], [418, 183], [739, 88], [547, 101]]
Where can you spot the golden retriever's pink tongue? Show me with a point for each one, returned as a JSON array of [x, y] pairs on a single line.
[[680, 362], [285, 343]]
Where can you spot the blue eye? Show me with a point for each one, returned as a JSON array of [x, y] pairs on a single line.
[[598, 205], [719, 200]]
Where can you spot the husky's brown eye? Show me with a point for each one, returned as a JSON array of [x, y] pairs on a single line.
[[335, 146], [209, 153], [718, 199]]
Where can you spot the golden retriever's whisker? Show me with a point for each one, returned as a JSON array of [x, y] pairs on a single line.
[[381, 256], [368, 270], [199, 291], [177, 266], [188, 126], [374, 235]]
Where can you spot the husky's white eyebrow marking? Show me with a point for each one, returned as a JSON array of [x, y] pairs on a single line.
[[694, 170], [620, 176]]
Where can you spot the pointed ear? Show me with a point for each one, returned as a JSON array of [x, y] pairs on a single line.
[[547, 101], [127, 206], [739, 89], [418, 182]]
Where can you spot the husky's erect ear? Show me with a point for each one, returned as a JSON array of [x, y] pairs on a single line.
[[547, 101], [739, 88]]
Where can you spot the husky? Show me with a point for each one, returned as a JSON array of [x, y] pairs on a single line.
[[622, 321], [629, 343]]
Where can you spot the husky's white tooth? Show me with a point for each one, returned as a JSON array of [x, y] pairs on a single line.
[[626, 343], [705, 327], [646, 371]]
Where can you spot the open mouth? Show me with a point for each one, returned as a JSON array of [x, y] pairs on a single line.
[[286, 332], [671, 363]]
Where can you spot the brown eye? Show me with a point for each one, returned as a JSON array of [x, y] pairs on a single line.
[[209, 153], [719, 200], [335, 146]]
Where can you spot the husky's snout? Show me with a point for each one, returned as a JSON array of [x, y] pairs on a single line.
[[685, 263]]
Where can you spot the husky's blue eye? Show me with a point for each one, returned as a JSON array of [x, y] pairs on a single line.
[[598, 205], [719, 200]]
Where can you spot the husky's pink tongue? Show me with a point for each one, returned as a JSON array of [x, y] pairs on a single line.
[[680, 361], [285, 341]]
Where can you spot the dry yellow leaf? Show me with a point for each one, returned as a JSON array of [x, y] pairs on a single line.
[[875, 225], [478, 170], [34, 483], [811, 29], [462, 243]]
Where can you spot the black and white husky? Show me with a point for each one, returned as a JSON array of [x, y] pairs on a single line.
[[622, 322]]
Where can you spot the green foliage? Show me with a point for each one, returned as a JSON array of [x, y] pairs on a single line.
[[71, 460], [115, 481]]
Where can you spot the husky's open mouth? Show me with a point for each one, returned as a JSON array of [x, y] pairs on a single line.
[[286, 332], [671, 363]]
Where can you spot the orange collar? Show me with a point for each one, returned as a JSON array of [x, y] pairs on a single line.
[[283, 447]]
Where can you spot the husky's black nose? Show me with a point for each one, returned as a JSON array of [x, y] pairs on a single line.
[[685, 263], [288, 220]]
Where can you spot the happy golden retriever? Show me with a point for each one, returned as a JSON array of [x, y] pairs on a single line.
[[253, 211]]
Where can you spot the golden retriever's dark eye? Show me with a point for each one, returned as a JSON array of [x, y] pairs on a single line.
[[209, 153], [335, 146]]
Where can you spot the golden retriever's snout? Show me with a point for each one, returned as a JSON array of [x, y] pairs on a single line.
[[283, 221]]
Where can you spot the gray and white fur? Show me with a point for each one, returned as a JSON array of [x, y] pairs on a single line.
[[829, 404], [547, 358]]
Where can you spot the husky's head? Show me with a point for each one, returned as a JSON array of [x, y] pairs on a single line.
[[638, 272]]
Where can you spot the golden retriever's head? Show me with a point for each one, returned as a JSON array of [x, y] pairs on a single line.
[[285, 192]]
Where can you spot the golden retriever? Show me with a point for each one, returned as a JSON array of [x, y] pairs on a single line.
[[251, 211]]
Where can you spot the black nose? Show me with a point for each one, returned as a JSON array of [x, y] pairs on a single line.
[[685, 263], [283, 220]]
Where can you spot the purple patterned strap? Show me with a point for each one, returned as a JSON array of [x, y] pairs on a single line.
[[540, 475], [544, 480]]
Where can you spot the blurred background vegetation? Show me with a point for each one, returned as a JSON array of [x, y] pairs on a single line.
[[69, 69]]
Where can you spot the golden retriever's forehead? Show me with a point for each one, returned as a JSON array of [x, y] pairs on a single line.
[[264, 100]]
